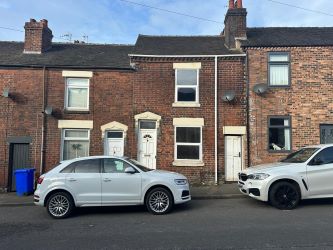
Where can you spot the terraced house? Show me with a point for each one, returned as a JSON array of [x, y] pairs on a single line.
[[204, 106]]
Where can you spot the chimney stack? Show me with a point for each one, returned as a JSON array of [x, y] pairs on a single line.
[[235, 23], [38, 37]]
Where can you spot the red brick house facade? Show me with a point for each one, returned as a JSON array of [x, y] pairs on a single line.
[[204, 106]]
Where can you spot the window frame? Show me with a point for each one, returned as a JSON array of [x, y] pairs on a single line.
[[279, 126], [76, 86], [196, 101], [320, 128], [63, 139], [187, 144], [269, 63]]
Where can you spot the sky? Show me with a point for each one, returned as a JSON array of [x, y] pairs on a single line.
[[120, 22]]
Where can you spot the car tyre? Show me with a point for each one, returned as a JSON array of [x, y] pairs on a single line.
[[60, 205], [284, 195], [159, 201]]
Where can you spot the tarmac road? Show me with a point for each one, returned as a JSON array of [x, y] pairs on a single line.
[[201, 224]]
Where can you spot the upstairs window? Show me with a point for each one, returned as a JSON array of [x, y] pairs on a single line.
[[279, 130], [77, 94], [279, 69], [187, 85]]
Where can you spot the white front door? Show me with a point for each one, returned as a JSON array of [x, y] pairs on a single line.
[[114, 143], [147, 143], [233, 157]]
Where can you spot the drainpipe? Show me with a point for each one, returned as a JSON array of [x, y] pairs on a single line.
[[215, 119], [248, 110], [42, 151]]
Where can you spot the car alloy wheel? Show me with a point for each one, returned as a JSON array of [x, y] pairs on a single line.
[[159, 201], [59, 205], [285, 195]]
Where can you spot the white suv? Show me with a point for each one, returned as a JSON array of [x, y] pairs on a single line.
[[305, 174], [109, 181]]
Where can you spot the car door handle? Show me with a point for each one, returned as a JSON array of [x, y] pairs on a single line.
[[72, 179], [106, 179]]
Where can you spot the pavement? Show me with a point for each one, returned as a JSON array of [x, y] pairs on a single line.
[[222, 191]]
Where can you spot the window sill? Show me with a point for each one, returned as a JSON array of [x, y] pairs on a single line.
[[188, 163], [279, 86], [186, 104], [279, 151], [76, 111]]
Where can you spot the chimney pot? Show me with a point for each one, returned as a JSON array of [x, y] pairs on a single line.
[[231, 4], [239, 4], [44, 21], [32, 20]]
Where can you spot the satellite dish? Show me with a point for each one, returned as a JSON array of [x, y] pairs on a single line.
[[229, 96], [48, 110], [5, 93], [260, 88]]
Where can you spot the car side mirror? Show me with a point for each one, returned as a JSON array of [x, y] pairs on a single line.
[[317, 161], [130, 170]]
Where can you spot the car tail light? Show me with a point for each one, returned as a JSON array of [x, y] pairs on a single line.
[[40, 179]]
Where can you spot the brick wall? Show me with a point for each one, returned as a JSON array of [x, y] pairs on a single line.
[[119, 96], [21, 114], [308, 100]]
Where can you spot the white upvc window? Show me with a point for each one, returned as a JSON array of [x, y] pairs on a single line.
[[187, 85], [77, 94], [75, 143], [279, 69], [188, 143]]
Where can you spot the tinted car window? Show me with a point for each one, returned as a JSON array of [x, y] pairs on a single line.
[[69, 168], [87, 166], [325, 156], [114, 165]]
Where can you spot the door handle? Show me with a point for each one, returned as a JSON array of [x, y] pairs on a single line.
[[72, 179], [239, 154], [106, 179]]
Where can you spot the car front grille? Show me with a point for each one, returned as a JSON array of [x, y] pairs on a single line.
[[242, 176]]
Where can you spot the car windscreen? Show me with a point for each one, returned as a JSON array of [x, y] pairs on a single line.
[[139, 165], [300, 156]]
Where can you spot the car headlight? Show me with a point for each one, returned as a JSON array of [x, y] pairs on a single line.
[[259, 176], [181, 181]]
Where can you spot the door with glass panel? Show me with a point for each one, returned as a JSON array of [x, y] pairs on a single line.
[[75, 143], [114, 143], [147, 143]]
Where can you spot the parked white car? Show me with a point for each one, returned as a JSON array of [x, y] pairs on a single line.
[[109, 181], [305, 174]]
